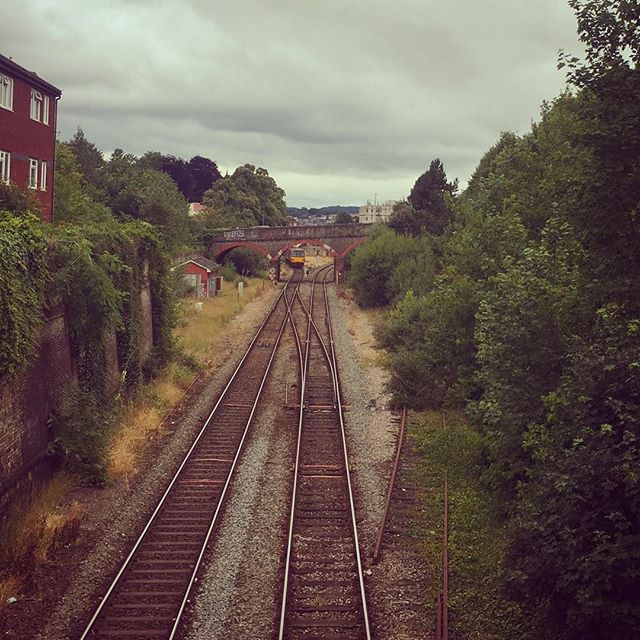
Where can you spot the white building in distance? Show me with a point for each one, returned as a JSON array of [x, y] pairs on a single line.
[[376, 212]]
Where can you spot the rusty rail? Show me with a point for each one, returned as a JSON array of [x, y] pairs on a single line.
[[392, 480], [442, 603]]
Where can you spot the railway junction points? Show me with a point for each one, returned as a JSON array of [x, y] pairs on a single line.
[[268, 525]]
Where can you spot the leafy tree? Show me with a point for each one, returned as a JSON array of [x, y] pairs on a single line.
[[576, 529], [343, 218], [89, 157], [245, 261], [204, 173], [405, 220], [386, 264], [610, 32], [152, 196], [430, 340], [428, 199], [247, 197], [73, 201]]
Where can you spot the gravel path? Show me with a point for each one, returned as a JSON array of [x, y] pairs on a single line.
[[116, 515]]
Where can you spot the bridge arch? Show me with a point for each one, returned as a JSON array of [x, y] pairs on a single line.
[[350, 247], [299, 243], [220, 250]]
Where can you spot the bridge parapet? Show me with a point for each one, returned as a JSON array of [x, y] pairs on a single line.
[[306, 232]]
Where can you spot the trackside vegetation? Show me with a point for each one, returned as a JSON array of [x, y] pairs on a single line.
[[117, 224], [528, 320]]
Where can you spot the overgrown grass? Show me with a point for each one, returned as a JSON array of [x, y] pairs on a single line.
[[477, 541], [199, 335], [33, 532]]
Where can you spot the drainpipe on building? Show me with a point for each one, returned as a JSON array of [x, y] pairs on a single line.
[[55, 140]]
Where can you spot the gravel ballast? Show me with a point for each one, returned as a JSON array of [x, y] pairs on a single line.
[[396, 586], [239, 591]]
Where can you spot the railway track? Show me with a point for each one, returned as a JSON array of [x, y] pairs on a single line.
[[147, 598], [323, 588]]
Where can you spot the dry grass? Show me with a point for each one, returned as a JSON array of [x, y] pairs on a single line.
[[37, 527], [200, 332], [199, 335], [361, 324]]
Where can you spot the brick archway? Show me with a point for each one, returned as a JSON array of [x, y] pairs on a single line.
[[240, 244], [350, 247], [300, 243]]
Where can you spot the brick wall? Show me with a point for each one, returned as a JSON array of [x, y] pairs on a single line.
[[27, 400]]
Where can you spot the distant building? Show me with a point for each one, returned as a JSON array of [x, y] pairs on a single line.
[[196, 207], [200, 275], [370, 213], [28, 117]]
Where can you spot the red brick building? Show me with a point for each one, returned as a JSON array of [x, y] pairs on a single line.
[[28, 117], [200, 275]]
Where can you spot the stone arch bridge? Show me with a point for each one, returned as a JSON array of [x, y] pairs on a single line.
[[272, 242]]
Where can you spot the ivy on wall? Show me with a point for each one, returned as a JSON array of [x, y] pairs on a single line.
[[97, 271], [22, 273]]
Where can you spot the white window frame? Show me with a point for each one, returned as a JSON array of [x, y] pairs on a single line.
[[6, 92], [45, 110], [36, 105], [5, 167], [43, 175], [33, 173]]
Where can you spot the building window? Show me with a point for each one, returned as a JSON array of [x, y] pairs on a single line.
[[45, 111], [33, 174], [36, 105], [5, 166], [6, 92], [43, 176]]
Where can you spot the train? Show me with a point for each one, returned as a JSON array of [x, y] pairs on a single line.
[[295, 258]]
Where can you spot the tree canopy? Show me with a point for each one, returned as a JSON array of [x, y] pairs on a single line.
[[248, 197]]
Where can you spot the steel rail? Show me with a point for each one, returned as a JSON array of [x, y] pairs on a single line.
[[167, 491], [331, 360], [392, 481], [294, 491], [346, 461]]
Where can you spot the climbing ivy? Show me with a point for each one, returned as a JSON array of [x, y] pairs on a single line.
[[22, 272]]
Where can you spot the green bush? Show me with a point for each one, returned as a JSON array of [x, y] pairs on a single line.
[[388, 265], [228, 273]]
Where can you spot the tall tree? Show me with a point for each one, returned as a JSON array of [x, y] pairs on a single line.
[[204, 173], [247, 197], [89, 157], [431, 211]]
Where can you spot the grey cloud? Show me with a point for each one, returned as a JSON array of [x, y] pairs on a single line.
[[325, 94]]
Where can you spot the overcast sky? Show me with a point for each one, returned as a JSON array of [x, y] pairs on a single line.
[[338, 99]]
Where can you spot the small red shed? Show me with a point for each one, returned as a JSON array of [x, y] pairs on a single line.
[[201, 275]]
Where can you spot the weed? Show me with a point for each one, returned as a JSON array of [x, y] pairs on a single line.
[[35, 529]]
